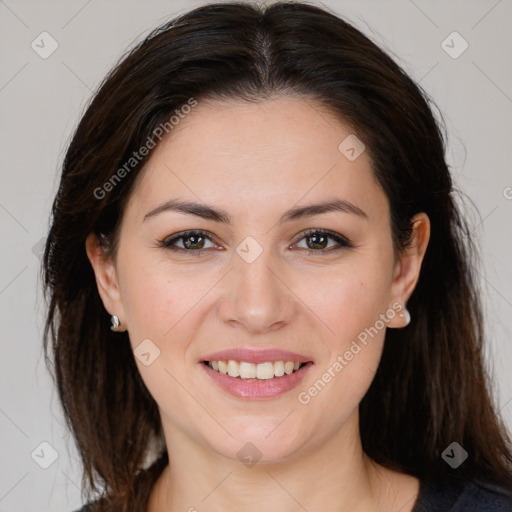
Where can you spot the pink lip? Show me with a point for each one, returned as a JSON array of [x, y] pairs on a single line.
[[253, 389], [250, 355]]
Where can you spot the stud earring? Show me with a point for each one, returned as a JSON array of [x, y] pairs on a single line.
[[116, 324], [406, 315]]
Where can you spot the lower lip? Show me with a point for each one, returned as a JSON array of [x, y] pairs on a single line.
[[257, 389]]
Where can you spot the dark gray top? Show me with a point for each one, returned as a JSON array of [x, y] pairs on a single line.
[[462, 496], [454, 496]]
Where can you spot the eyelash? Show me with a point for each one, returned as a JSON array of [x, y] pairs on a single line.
[[343, 242]]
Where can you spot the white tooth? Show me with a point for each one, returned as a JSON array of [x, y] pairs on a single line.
[[265, 371], [233, 370], [214, 365], [279, 368], [247, 370], [296, 365], [223, 367], [288, 367]]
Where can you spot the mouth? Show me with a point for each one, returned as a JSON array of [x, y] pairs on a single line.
[[256, 381]]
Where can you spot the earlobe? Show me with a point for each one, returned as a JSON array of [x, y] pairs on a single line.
[[106, 277]]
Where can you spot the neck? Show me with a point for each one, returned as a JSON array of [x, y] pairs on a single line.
[[197, 478]]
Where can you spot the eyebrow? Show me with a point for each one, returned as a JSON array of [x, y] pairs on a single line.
[[207, 212]]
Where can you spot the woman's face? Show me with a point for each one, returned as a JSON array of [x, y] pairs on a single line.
[[255, 280]]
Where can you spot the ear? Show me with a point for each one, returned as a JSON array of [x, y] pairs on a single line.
[[106, 277], [407, 268]]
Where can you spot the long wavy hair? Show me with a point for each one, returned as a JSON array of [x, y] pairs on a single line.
[[432, 386]]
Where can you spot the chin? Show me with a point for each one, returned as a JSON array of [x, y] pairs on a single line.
[[258, 444]]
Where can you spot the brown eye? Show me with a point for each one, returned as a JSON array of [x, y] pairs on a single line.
[[189, 241], [320, 240]]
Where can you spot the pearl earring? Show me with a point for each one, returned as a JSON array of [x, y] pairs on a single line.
[[405, 314], [116, 324]]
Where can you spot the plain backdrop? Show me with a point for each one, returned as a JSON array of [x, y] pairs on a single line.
[[41, 100]]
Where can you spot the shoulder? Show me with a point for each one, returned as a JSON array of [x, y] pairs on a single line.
[[456, 495], [488, 497]]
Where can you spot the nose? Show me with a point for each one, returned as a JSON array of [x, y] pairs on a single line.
[[256, 296]]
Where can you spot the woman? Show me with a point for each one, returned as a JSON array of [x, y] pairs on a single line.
[[260, 285]]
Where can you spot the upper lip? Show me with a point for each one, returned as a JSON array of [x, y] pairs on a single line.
[[251, 355]]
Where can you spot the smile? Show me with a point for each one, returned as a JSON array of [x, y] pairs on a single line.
[[248, 386]]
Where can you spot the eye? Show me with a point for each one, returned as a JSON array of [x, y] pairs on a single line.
[[320, 241], [189, 241]]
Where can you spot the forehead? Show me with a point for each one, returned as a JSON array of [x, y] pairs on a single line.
[[268, 155]]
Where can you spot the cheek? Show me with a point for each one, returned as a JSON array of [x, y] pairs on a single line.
[[351, 304], [166, 307], [161, 309], [155, 298], [349, 301], [150, 304]]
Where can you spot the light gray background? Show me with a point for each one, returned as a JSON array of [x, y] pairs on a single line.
[[41, 101]]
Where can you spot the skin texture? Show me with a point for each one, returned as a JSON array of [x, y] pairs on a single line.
[[256, 161]]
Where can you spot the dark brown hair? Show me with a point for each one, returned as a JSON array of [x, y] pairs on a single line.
[[431, 387]]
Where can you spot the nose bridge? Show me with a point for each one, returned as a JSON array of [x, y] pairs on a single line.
[[259, 300]]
